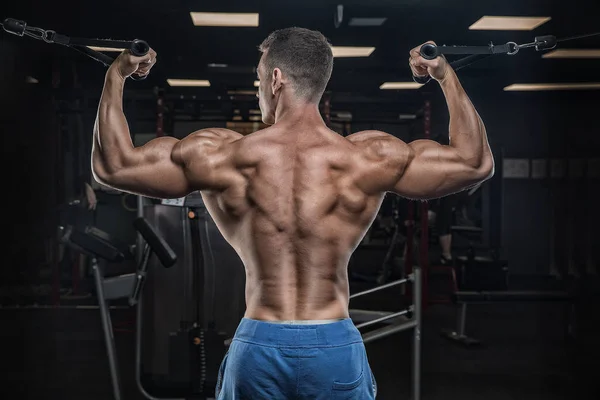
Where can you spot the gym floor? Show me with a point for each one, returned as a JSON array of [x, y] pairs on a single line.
[[59, 354]]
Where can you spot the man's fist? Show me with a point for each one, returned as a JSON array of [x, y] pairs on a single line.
[[126, 64], [437, 68]]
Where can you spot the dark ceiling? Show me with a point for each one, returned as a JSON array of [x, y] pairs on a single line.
[[185, 51]]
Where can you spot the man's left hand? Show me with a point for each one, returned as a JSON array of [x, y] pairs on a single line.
[[90, 195]]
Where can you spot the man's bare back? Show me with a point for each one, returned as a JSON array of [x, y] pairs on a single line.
[[294, 201], [295, 213]]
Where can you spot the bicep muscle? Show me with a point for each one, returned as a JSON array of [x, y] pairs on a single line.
[[434, 171]]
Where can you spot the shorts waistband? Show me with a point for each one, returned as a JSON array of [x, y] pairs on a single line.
[[337, 333], [306, 322]]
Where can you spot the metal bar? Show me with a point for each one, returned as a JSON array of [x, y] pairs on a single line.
[[359, 316], [375, 289], [389, 254], [138, 356], [140, 276], [462, 320], [385, 318], [510, 295], [417, 296], [59, 307], [139, 249], [108, 331], [388, 330], [188, 273], [408, 262]]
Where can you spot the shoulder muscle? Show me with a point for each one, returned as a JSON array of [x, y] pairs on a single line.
[[201, 144], [383, 159], [208, 158]]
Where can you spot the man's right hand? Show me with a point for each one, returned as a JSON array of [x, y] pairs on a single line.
[[126, 64], [438, 68]]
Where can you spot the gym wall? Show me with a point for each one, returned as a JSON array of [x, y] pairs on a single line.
[[540, 126], [29, 143]]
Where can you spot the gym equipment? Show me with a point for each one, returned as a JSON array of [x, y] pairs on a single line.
[[463, 298], [385, 271], [430, 51], [478, 272], [137, 47], [208, 294], [466, 240], [156, 244], [99, 246], [409, 318], [199, 301], [395, 242]]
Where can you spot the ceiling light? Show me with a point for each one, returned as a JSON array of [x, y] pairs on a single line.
[[242, 92], [256, 83], [400, 85], [573, 53], [225, 19], [552, 86], [367, 21], [407, 116], [31, 79], [188, 82], [493, 23], [347, 115], [348, 51], [95, 48]]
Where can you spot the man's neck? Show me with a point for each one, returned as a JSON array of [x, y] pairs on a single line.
[[297, 111]]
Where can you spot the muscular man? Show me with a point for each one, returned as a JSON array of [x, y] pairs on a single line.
[[293, 200]]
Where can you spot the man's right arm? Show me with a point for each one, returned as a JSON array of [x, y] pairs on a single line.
[[434, 170], [425, 169]]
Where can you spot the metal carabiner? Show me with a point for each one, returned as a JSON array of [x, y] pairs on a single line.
[[515, 50], [38, 33], [49, 36]]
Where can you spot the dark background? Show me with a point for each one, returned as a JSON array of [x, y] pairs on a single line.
[[541, 224]]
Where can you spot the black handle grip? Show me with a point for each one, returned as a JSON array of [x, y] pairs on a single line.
[[163, 251], [14, 26], [139, 48], [429, 51]]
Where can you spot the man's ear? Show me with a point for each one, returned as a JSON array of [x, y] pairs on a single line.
[[276, 81]]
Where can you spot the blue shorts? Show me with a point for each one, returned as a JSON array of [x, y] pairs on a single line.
[[272, 361]]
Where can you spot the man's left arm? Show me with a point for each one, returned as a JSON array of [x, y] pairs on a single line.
[[164, 167]]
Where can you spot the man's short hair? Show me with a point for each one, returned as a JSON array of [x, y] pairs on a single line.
[[303, 55]]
